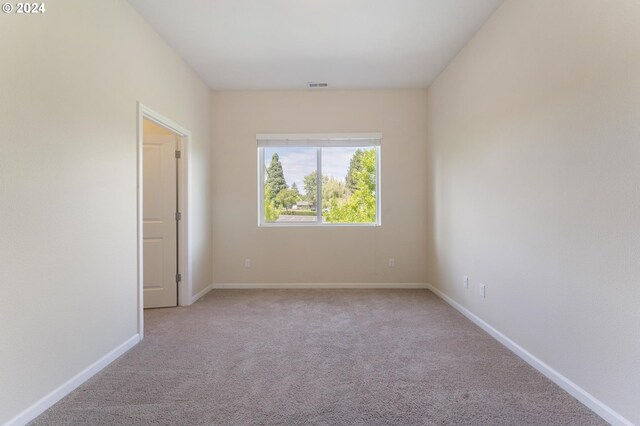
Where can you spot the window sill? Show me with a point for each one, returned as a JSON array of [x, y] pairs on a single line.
[[318, 225]]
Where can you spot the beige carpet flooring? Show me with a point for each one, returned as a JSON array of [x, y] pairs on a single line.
[[317, 357]]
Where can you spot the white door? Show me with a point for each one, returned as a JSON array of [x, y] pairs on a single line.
[[160, 231]]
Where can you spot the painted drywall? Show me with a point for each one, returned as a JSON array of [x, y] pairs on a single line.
[[534, 133], [319, 254], [71, 78]]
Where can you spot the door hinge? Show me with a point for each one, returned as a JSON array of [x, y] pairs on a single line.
[[178, 216], [178, 278], [178, 154]]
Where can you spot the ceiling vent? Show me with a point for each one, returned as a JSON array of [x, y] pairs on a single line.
[[316, 85]]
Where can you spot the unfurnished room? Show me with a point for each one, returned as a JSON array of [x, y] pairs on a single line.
[[320, 212]]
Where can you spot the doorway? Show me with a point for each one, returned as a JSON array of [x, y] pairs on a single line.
[[160, 215], [163, 205]]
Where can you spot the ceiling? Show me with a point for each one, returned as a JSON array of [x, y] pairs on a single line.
[[284, 44]]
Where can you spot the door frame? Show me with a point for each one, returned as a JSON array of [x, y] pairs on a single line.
[[184, 259]]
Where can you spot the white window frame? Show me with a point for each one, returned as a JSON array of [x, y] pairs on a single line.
[[319, 141]]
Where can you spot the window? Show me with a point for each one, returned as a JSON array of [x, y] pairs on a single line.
[[319, 180]]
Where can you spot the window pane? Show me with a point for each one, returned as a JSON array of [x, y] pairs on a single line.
[[290, 185], [349, 185]]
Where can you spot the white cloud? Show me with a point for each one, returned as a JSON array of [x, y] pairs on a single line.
[[335, 162]]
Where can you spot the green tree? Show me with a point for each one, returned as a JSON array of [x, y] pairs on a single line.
[[361, 205], [287, 198], [355, 165], [333, 188], [311, 187], [294, 187], [275, 177], [271, 213]]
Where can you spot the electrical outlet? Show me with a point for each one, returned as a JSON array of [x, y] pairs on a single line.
[[481, 290], [392, 262], [465, 283], [247, 263]]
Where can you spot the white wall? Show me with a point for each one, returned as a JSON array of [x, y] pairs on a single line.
[[70, 82], [319, 254], [535, 149]]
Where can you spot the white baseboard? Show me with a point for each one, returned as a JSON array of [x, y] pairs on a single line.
[[63, 390], [316, 285], [573, 389], [201, 293]]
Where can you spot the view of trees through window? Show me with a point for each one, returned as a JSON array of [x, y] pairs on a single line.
[[347, 184]]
